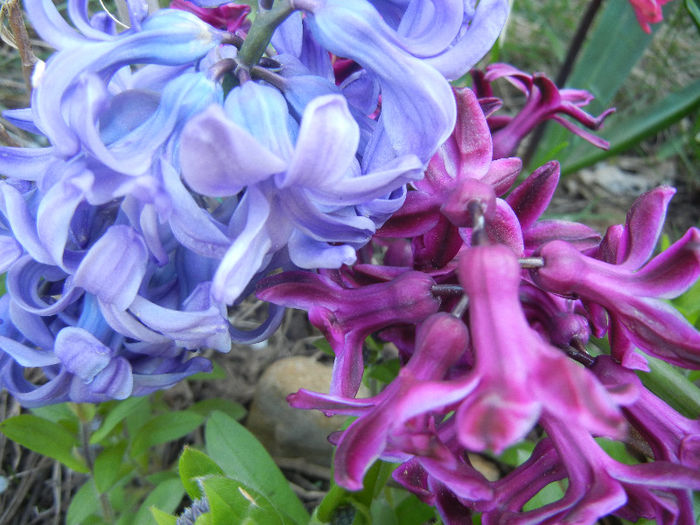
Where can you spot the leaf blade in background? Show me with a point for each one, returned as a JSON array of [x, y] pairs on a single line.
[[83, 504], [693, 7], [108, 466], [243, 458], [194, 464], [116, 416], [231, 501], [625, 134], [166, 496], [44, 437], [163, 428]]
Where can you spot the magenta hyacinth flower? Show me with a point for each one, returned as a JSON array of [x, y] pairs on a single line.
[[230, 16], [544, 102], [521, 375], [384, 421], [670, 435], [648, 12], [630, 286], [347, 316]]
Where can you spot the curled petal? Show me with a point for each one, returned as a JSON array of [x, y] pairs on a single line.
[[82, 353], [114, 266]]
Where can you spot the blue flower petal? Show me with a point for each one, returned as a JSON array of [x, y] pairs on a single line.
[[326, 145], [122, 255], [219, 158], [82, 353]]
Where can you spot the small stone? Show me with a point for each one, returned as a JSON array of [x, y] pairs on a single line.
[[287, 431]]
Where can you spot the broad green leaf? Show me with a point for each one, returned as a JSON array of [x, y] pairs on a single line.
[[617, 451], [243, 458], [164, 428], [162, 518], [195, 464], [550, 493], [108, 466], [56, 413], [689, 304], [384, 372], [204, 519], [517, 454], [631, 130], [45, 437], [230, 408], [232, 502], [382, 512], [85, 503], [324, 346], [166, 496], [115, 416], [141, 414], [412, 511]]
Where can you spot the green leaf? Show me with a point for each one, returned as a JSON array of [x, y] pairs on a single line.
[[162, 518], [617, 451], [85, 503], [230, 408], [232, 502], [243, 458], [108, 466], [693, 7], [164, 428], [549, 494], [166, 496], [115, 416], [689, 304], [324, 346], [631, 130], [142, 414], [195, 464], [385, 372], [412, 511], [517, 454], [382, 512], [45, 437], [56, 413]]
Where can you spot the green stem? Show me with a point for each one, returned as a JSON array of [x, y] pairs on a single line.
[[672, 386], [261, 31], [85, 413]]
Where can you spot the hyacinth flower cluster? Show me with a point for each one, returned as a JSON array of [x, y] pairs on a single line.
[[189, 152], [498, 307]]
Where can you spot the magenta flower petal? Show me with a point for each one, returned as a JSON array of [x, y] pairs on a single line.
[[348, 315]]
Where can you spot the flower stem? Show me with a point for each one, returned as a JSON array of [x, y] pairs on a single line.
[[21, 40], [261, 31], [672, 386]]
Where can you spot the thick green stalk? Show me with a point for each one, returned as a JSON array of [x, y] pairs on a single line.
[[667, 382], [260, 34]]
